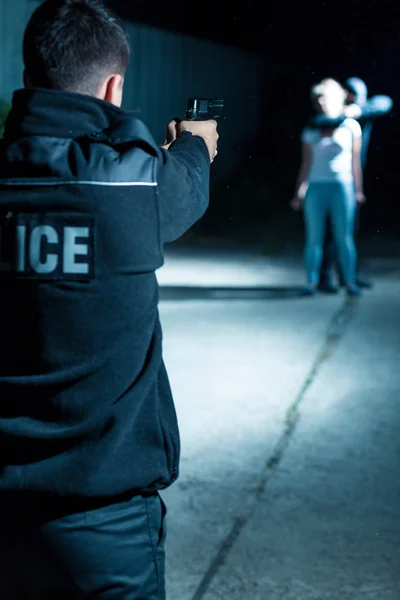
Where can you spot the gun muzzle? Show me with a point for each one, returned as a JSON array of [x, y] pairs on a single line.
[[201, 109]]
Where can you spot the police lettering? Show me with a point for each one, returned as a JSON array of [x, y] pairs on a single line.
[[46, 248]]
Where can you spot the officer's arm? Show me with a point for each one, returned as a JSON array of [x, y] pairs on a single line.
[[376, 107], [183, 185]]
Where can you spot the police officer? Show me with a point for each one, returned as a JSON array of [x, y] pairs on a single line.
[[88, 431]]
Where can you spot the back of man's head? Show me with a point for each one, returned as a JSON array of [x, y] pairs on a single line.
[[358, 88], [73, 46]]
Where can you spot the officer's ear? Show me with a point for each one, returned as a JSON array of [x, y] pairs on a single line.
[[112, 89]]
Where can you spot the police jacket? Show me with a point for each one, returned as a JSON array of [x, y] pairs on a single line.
[[87, 200]]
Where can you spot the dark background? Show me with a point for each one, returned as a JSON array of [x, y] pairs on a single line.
[[310, 41]]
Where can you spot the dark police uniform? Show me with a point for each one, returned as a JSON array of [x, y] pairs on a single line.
[[88, 430]]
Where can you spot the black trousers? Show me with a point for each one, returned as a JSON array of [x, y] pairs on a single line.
[[113, 553], [329, 254]]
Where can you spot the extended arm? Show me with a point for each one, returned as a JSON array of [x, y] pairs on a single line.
[[183, 185]]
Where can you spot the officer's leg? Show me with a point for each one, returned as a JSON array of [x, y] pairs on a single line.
[[113, 553]]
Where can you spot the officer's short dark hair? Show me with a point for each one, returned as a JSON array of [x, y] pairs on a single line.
[[73, 45]]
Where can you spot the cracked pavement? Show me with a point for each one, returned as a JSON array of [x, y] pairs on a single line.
[[289, 416]]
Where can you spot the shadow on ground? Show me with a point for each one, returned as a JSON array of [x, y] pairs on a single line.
[[187, 292]]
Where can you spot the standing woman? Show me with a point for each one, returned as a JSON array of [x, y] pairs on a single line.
[[330, 184]]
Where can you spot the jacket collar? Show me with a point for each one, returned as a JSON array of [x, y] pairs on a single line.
[[53, 113]]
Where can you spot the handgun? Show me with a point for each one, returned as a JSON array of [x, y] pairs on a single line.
[[202, 109]]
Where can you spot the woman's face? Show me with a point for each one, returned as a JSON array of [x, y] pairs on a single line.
[[332, 102]]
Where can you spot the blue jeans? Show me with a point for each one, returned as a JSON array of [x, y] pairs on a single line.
[[337, 201]]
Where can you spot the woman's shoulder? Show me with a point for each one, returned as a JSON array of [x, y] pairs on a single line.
[[353, 125]]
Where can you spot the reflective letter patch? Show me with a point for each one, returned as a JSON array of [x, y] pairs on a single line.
[[47, 247]]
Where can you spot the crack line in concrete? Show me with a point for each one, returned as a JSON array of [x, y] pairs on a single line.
[[336, 329]]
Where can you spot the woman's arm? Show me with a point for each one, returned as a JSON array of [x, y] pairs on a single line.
[[302, 178], [357, 170]]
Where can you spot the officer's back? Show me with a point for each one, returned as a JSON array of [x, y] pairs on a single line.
[[87, 200]]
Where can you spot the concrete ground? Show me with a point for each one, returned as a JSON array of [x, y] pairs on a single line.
[[289, 412]]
